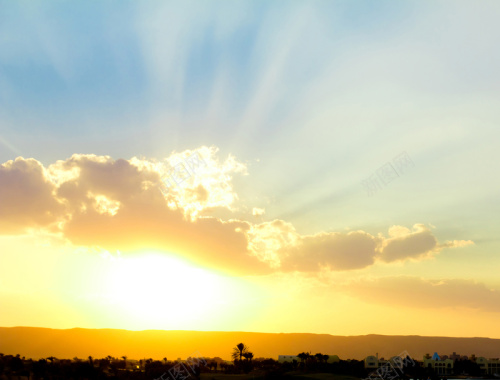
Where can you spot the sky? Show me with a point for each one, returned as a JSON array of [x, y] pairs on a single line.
[[264, 166]]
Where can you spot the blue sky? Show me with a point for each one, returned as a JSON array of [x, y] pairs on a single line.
[[312, 97]]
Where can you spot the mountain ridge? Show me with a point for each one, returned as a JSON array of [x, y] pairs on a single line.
[[38, 342]]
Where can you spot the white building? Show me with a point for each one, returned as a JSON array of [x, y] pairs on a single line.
[[488, 366], [440, 367], [373, 362], [288, 358], [333, 359]]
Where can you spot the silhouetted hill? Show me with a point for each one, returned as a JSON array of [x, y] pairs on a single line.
[[42, 342]]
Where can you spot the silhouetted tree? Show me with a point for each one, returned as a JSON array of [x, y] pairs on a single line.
[[319, 357], [213, 365], [304, 356], [16, 363], [124, 365], [238, 351]]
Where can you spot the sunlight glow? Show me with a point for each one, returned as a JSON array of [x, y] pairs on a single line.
[[162, 291]]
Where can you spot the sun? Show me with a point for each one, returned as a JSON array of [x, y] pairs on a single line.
[[160, 291]]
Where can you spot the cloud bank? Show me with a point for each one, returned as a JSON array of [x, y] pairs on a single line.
[[99, 202]]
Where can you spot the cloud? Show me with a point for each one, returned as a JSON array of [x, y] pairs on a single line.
[[258, 211], [123, 205], [27, 199], [456, 244], [404, 244], [279, 243], [422, 293], [336, 251], [144, 218], [118, 205]]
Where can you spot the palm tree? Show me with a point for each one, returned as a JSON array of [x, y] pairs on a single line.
[[238, 351], [240, 347], [124, 357], [90, 360], [303, 356], [165, 360], [248, 356]]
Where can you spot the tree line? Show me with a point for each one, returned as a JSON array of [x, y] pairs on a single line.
[[243, 361]]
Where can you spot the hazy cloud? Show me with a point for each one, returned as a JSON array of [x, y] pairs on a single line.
[[422, 293]]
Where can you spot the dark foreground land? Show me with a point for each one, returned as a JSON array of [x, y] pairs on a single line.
[[290, 375]]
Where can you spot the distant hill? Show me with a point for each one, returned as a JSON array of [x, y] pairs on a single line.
[[34, 342]]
